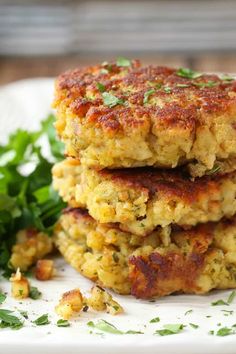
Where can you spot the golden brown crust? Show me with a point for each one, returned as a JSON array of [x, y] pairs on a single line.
[[164, 274], [170, 119], [182, 105], [176, 271], [167, 184], [167, 261], [140, 199]]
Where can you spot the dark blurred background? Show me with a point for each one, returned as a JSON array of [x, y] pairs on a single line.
[[43, 38]]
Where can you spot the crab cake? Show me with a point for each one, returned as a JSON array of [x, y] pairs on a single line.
[[166, 261], [143, 198], [116, 116]]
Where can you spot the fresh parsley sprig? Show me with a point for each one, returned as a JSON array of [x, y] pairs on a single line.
[[27, 199]]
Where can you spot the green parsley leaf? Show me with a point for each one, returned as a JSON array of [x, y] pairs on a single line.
[[147, 94], [9, 320], [227, 78], [167, 89], [227, 312], [115, 307], [170, 329], [158, 86], [24, 314], [214, 170], [205, 84], [63, 323], [224, 331], [219, 303], [100, 87], [42, 320], [193, 325], [121, 61], [104, 326], [155, 320], [56, 146], [104, 71], [133, 332], [231, 297], [211, 332], [182, 85], [2, 297], [111, 100], [188, 312], [188, 73], [34, 293]]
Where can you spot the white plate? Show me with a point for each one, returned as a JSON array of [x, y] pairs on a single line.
[[23, 104]]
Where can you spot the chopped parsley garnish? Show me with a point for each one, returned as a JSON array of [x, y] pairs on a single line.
[[27, 200], [231, 297], [111, 100], [34, 293], [100, 87], [214, 170], [224, 331], [155, 320], [188, 312], [115, 257], [227, 78], [182, 85], [188, 73], [211, 332], [227, 312], [121, 61], [147, 94], [9, 320], [42, 320], [2, 297], [115, 307], [63, 323], [169, 329], [193, 325], [105, 326], [219, 303], [24, 314], [158, 86], [133, 332], [205, 84], [167, 89], [104, 71]]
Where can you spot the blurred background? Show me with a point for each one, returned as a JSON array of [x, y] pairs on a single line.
[[43, 38]]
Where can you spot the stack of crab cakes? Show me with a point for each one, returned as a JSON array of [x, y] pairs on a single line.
[[149, 177]]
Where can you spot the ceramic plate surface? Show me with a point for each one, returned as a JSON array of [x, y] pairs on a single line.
[[23, 104]]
